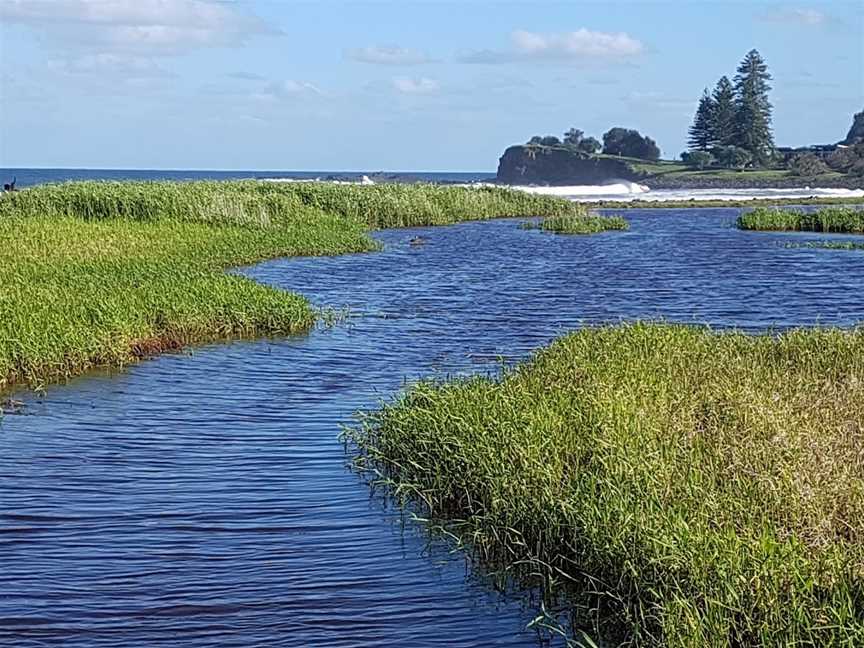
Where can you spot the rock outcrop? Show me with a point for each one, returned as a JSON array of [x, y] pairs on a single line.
[[856, 132], [557, 165]]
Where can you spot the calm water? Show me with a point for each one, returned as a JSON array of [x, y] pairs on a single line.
[[203, 499]]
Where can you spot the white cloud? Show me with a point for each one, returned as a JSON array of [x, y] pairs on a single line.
[[580, 45], [805, 17], [141, 27], [106, 64], [280, 90], [387, 55], [416, 86]]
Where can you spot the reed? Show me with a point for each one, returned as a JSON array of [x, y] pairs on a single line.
[[103, 273], [264, 204], [676, 486], [588, 224], [830, 219]]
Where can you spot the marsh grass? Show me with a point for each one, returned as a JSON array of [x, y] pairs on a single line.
[[103, 273], [676, 486], [269, 204], [577, 224], [847, 220]]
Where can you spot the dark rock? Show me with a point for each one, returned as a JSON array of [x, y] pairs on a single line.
[[529, 164]]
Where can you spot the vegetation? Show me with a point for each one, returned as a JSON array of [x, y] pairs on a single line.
[[736, 118], [848, 160], [629, 143], [807, 165], [617, 142], [830, 219], [676, 486], [701, 133], [588, 224], [700, 159], [576, 139], [723, 113], [102, 273]]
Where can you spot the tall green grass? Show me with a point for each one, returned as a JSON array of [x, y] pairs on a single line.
[[681, 487], [578, 224], [265, 204], [830, 219], [102, 273]]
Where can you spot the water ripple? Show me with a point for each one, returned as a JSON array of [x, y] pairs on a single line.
[[203, 499]]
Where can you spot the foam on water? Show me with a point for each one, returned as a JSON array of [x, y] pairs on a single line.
[[633, 191]]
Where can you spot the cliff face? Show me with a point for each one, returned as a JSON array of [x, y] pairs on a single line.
[[524, 164], [856, 132]]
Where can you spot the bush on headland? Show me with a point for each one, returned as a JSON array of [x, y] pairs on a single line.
[[681, 487], [102, 273]]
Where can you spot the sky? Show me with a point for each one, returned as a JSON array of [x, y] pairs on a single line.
[[405, 85]]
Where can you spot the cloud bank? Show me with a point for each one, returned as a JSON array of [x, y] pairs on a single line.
[[387, 55], [576, 46], [135, 27]]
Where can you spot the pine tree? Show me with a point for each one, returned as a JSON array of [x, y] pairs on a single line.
[[701, 138], [752, 108], [723, 118]]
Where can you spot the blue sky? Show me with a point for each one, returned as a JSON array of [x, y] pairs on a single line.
[[277, 84]]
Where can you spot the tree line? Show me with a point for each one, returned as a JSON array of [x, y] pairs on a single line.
[[619, 141], [733, 123]]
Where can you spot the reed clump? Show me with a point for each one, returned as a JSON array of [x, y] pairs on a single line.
[[102, 273], [847, 220], [579, 224], [679, 487]]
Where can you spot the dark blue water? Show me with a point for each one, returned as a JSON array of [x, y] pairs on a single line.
[[202, 499], [30, 177]]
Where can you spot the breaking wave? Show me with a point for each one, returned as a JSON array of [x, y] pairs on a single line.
[[627, 191]]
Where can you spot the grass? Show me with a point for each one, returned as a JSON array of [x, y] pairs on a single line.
[[253, 203], [832, 219], [103, 273], [587, 224], [678, 487]]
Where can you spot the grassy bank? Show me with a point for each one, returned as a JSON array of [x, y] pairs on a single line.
[[97, 273], [588, 224], [685, 488], [832, 219]]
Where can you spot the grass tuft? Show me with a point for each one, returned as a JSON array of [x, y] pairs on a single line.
[[847, 220], [682, 487], [578, 224]]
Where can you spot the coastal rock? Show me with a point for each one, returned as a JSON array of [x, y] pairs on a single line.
[[554, 165]]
